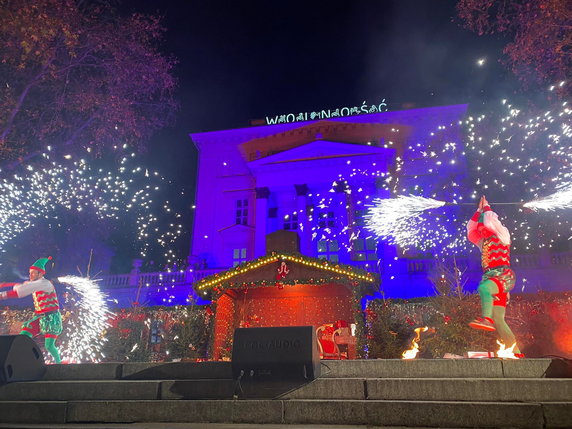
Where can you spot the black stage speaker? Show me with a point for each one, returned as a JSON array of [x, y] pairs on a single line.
[[20, 359], [283, 353], [560, 367]]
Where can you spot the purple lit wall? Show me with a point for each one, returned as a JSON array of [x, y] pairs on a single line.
[[289, 182]]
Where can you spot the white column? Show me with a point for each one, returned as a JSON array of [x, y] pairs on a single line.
[[301, 205], [262, 195]]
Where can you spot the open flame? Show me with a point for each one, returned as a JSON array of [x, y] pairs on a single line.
[[506, 353], [412, 352]]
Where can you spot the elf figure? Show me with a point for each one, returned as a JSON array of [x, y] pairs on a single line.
[[48, 320], [493, 239]]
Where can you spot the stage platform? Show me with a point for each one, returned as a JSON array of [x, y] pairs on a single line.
[[527, 393]]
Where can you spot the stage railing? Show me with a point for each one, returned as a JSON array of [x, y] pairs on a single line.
[[164, 278], [116, 281]]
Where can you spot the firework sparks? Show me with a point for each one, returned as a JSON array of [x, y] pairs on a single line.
[[398, 219], [404, 206], [86, 318], [508, 156], [32, 195], [562, 199]]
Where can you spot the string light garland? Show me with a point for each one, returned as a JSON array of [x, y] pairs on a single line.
[[293, 270], [341, 270]]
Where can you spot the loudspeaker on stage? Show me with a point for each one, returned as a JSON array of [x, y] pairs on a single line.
[[279, 352], [20, 359]]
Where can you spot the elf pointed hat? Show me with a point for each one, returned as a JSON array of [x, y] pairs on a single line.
[[40, 264]]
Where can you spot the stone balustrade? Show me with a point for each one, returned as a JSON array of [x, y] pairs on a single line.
[[401, 277]]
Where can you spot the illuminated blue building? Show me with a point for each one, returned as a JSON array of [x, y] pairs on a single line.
[[313, 177]]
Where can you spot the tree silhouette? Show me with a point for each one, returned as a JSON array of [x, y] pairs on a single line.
[[75, 72], [540, 51]]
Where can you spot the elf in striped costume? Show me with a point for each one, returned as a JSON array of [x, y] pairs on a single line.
[[493, 239], [48, 320]]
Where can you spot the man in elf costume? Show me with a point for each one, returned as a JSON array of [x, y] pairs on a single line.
[[48, 320], [493, 239]]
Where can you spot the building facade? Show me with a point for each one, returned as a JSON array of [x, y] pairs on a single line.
[[317, 178], [313, 177]]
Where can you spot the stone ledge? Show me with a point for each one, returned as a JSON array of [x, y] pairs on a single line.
[[33, 412], [413, 389], [197, 389], [84, 371], [318, 412], [455, 414], [558, 415], [175, 411], [415, 368], [326, 388], [525, 368], [79, 390], [414, 413], [380, 368], [176, 370], [476, 389]]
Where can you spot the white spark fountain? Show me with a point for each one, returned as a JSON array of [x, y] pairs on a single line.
[[86, 317], [561, 199], [399, 219]]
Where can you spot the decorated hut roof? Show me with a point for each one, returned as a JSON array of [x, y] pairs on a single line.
[[285, 269]]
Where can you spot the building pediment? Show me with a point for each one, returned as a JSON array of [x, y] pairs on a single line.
[[236, 228], [375, 134], [320, 149]]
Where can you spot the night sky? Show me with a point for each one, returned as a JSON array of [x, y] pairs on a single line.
[[244, 60]]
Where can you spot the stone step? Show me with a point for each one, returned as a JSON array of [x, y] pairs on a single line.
[[440, 368], [438, 389], [80, 390], [197, 426], [382, 368], [323, 412], [420, 389], [139, 371]]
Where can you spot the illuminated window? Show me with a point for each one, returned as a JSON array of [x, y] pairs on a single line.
[[359, 217], [328, 249], [242, 212], [291, 221], [238, 256], [364, 249], [326, 220]]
